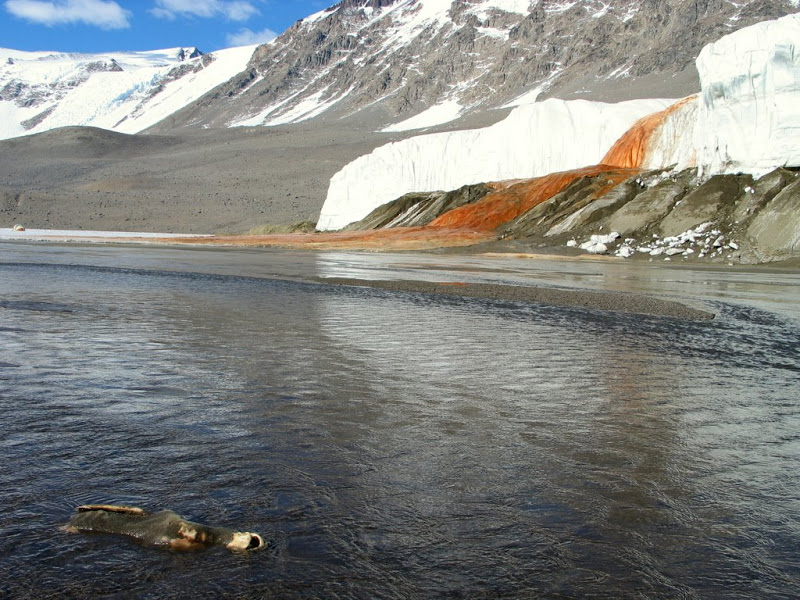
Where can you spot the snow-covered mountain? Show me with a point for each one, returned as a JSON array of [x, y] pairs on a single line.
[[401, 64], [422, 62], [122, 91]]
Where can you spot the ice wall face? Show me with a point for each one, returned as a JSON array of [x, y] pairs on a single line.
[[534, 140], [749, 114], [672, 144]]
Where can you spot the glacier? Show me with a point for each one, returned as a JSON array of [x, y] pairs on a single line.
[[533, 140], [125, 91], [746, 119], [749, 111]]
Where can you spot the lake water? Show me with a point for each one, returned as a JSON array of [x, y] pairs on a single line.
[[395, 445]]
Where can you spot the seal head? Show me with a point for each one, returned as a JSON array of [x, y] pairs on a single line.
[[244, 540]]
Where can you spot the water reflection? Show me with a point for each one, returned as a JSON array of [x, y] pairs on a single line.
[[391, 444], [579, 439]]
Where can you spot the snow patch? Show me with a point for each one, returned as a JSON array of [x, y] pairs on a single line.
[[520, 7], [531, 96], [559, 7], [319, 16], [435, 115], [303, 110], [411, 17], [500, 34]]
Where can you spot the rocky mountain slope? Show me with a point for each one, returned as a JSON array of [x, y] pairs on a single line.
[[400, 64], [397, 58]]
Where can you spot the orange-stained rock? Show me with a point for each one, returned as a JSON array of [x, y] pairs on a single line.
[[630, 150], [504, 205]]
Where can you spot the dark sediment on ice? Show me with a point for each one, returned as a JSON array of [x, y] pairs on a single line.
[[578, 298]]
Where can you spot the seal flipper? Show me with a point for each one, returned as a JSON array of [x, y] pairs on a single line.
[[128, 510]]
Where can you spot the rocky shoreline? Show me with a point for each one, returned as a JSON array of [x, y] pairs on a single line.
[[662, 215]]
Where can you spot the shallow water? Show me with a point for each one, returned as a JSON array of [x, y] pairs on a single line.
[[395, 445]]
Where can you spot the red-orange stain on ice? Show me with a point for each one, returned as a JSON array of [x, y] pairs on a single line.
[[630, 150]]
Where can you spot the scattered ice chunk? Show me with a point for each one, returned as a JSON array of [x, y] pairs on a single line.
[[625, 251], [594, 247], [572, 244], [605, 239]]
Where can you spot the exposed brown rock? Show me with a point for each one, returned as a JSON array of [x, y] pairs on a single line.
[[502, 206]]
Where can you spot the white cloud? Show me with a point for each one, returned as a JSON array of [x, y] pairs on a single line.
[[248, 37], [233, 10], [105, 14]]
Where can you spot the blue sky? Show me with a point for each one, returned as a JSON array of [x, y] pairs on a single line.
[[108, 25]]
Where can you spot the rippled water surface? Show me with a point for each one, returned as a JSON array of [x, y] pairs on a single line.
[[395, 445]]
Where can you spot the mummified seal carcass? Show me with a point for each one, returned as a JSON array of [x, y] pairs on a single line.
[[164, 528]]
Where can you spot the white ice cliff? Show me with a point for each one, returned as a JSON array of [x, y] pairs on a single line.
[[535, 139], [749, 112]]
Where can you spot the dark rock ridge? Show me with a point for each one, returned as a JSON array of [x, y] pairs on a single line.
[[362, 53], [657, 215], [417, 210]]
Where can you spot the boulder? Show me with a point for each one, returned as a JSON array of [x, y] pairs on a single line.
[[762, 191], [774, 232], [600, 208], [649, 206], [702, 204]]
